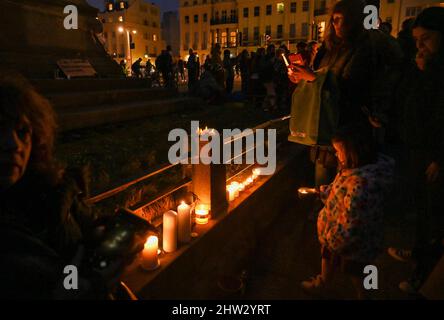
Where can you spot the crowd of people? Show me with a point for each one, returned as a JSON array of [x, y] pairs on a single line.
[[389, 131]]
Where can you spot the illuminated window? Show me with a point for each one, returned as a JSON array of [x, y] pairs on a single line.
[[121, 19], [154, 37], [224, 39], [110, 7], [233, 39], [122, 5], [280, 8]]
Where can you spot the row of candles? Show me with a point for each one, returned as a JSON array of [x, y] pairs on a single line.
[[176, 229], [177, 224], [235, 188]]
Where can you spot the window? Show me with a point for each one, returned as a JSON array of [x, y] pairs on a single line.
[[196, 18], [279, 32], [390, 1], [113, 34], [154, 37], [185, 4], [304, 32], [145, 22], [224, 15], [233, 40], [122, 5], [205, 17], [110, 20], [145, 36], [256, 34], [305, 6], [187, 19], [268, 30], [204, 41], [293, 7], [257, 11], [195, 3], [246, 12], [293, 30], [280, 7], [268, 10], [110, 7], [245, 34], [154, 25], [224, 39], [187, 41], [232, 15], [196, 41], [120, 19]]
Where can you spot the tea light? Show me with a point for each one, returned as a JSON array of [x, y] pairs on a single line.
[[202, 214], [170, 231], [184, 222], [231, 190], [150, 259], [256, 173], [235, 186]]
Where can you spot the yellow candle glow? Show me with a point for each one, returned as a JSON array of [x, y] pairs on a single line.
[[150, 260], [202, 214]]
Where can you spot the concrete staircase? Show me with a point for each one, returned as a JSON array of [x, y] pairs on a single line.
[[94, 102]]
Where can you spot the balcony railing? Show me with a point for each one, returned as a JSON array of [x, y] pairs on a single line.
[[320, 12], [230, 20]]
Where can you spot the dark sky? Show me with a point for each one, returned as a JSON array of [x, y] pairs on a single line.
[[165, 5]]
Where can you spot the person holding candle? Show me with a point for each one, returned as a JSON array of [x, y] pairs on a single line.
[[44, 223], [350, 226]]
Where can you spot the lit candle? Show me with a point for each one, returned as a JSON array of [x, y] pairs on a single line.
[[150, 259], [256, 173], [170, 231], [202, 214], [184, 222], [235, 186], [231, 190]]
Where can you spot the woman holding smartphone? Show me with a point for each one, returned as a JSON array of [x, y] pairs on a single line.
[[361, 60]]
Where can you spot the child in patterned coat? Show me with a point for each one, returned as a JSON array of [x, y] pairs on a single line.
[[350, 226]]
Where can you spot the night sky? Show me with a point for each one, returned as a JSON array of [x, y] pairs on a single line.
[[165, 5]]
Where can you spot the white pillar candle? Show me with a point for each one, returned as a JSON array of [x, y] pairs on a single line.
[[184, 222], [150, 259], [170, 231], [202, 214]]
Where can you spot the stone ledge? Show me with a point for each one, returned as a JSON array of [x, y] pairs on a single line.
[[225, 245]]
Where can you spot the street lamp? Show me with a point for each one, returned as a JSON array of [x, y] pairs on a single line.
[[129, 53]]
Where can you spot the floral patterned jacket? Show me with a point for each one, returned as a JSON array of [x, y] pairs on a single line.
[[351, 222]]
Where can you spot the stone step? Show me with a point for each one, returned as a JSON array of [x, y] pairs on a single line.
[[107, 114], [49, 86], [65, 101]]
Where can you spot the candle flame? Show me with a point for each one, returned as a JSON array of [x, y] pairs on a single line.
[[151, 241]]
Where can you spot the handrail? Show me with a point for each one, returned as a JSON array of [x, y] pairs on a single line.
[[107, 194]]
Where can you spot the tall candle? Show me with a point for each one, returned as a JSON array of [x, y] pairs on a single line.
[[184, 222], [170, 231], [150, 259]]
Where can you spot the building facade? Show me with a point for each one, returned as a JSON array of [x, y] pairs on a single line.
[[132, 30], [248, 24]]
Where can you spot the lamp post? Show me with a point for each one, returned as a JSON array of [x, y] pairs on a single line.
[[128, 42]]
